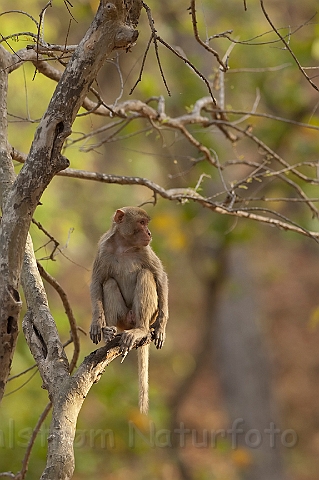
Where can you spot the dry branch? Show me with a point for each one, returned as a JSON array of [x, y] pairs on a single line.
[[302, 70], [69, 313], [183, 195], [203, 44]]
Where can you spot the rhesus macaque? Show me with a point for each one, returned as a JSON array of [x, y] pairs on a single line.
[[129, 290]]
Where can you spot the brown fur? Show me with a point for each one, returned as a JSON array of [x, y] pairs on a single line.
[[129, 289]]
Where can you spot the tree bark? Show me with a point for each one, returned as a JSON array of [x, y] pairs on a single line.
[[10, 303], [112, 28], [107, 32]]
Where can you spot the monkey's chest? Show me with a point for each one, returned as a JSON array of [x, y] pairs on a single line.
[[125, 267], [125, 272]]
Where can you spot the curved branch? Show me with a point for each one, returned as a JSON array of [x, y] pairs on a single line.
[[69, 313], [25, 462], [187, 194], [107, 32], [39, 326]]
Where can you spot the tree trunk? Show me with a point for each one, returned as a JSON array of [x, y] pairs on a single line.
[[111, 28], [107, 32], [10, 303], [245, 371]]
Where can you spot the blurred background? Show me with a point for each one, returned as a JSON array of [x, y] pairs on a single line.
[[233, 395]]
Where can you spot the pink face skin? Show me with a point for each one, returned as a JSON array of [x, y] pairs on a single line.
[[132, 231], [143, 234]]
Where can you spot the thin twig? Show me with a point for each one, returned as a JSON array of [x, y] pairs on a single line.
[[250, 42], [52, 239], [287, 46], [25, 462], [21, 386], [155, 38], [142, 66], [22, 13], [68, 4], [200, 75], [22, 373], [200, 41], [39, 35]]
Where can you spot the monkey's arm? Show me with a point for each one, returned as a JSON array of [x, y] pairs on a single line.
[[96, 291], [159, 326]]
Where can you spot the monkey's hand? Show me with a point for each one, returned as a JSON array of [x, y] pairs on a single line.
[[109, 333], [96, 330], [158, 334]]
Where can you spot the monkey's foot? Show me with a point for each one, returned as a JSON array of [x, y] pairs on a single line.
[[130, 338], [108, 333]]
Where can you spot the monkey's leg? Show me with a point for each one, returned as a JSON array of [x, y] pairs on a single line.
[[115, 309], [144, 309]]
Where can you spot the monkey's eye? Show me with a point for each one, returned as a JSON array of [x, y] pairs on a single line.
[[143, 222]]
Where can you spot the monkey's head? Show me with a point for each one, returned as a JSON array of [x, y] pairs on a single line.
[[132, 224]]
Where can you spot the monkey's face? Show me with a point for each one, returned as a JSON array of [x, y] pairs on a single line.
[[141, 235], [132, 225]]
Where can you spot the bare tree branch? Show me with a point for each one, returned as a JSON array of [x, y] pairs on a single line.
[[22, 474], [69, 313], [287, 46], [187, 194], [203, 44]]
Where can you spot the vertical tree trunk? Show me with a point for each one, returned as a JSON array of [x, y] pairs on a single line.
[[10, 304], [111, 29], [244, 370]]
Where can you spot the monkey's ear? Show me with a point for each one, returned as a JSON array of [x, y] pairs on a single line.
[[119, 215]]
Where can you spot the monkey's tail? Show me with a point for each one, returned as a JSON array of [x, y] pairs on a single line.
[[143, 358]]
